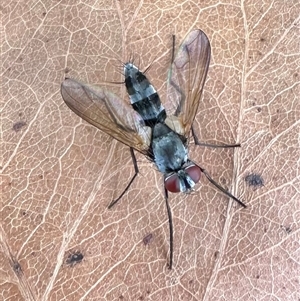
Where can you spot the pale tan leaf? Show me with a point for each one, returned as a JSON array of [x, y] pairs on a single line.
[[58, 174]]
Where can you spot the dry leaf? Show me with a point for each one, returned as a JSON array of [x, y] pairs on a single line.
[[58, 239]]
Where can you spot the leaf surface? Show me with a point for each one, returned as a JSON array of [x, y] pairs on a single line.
[[58, 173]]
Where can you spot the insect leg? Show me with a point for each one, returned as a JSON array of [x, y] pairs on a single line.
[[220, 187], [197, 142], [136, 169], [170, 228]]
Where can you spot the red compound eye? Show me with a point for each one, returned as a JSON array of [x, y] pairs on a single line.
[[194, 172], [172, 183]]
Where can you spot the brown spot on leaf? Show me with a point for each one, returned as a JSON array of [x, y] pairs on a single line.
[[287, 229], [148, 239], [74, 258], [254, 180], [18, 125], [17, 268]]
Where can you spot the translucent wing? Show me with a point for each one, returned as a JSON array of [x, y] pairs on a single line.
[[186, 80], [108, 113]]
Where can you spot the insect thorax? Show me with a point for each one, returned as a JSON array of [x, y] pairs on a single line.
[[169, 150]]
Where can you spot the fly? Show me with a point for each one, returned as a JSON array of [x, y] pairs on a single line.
[[158, 131]]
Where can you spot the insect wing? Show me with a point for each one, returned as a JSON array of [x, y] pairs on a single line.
[[186, 80], [107, 112]]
